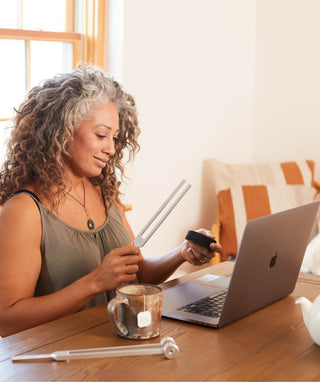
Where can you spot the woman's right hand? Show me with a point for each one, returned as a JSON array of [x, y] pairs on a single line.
[[119, 267]]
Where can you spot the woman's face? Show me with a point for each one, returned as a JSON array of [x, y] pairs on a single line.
[[94, 141]]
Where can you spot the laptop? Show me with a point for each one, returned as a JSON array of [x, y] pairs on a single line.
[[265, 270]]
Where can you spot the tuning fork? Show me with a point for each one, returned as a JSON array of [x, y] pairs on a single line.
[[182, 187], [167, 346]]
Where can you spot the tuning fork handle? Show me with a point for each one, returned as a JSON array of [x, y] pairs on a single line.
[[167, 346]]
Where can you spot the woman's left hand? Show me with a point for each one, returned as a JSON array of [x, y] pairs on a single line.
[[197, 255]]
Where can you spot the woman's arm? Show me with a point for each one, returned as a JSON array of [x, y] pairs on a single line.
[[157, 270], [20, 265]]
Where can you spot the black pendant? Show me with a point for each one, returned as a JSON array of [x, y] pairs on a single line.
[[90, 223]]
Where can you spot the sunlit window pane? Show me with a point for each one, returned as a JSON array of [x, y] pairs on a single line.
[[9, 14], [46, 15], [80, 19], [49, 58], [5, 129], [12, 76]]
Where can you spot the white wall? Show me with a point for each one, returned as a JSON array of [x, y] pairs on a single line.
[[287, 80], [235, 80]]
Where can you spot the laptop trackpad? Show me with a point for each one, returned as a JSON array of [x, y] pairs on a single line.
[[190, 291]]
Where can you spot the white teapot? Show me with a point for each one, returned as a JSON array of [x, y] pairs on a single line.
[[311, 316]]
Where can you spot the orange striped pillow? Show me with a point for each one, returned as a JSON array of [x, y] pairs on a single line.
[[225, 175], [249, 191], [239, 204]]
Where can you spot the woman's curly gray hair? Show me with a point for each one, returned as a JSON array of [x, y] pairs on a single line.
[[43, 128]]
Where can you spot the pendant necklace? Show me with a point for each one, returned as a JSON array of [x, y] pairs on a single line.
[[90, 222]]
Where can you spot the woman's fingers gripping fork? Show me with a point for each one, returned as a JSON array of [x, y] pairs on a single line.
[[120, 266]]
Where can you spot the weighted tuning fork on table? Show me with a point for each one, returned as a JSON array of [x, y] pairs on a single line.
[[167, 347], [162, 213]]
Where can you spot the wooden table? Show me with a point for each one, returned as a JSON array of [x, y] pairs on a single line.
[[271, 344]]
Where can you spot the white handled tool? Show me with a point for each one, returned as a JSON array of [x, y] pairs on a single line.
[[167, 346], [139, 241]]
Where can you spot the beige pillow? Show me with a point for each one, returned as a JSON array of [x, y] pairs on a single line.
[[239, 204], [248, 191], [228, 175]]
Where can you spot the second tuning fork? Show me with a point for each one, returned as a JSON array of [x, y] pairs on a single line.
[[170, 203]]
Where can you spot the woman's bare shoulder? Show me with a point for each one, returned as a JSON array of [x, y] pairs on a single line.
[[20, 209], [20, 256]]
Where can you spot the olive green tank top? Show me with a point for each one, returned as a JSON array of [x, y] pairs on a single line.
[[69, 253]]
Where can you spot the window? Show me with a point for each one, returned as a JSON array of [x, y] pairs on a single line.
[[39, 38]]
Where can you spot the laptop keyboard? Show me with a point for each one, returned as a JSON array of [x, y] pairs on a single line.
[[210, 306]]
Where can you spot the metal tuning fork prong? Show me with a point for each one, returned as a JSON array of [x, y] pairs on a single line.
[[182, 187]]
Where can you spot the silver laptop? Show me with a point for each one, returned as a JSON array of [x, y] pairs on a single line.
[[266, 269]]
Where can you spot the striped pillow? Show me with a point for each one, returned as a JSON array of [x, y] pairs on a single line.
[[287, 173], [249, 191], [239, 204]]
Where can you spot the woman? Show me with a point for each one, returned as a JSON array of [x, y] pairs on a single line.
[[65, 242]]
